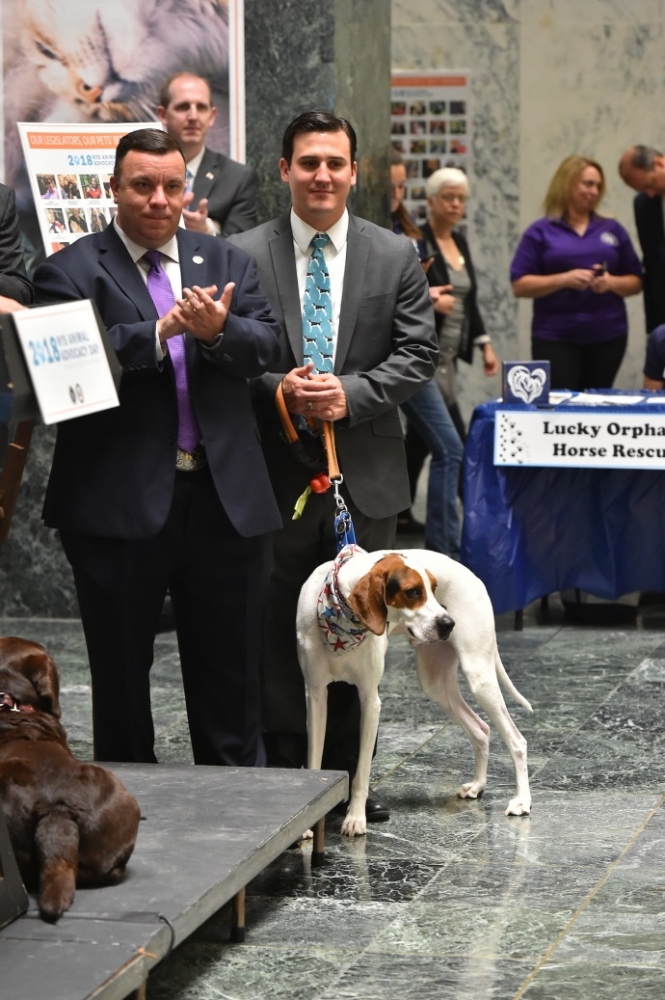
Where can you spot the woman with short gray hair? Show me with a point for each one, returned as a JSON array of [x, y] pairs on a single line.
[[452, 282]]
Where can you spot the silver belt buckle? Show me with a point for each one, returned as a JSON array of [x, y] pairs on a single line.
[[190, 461]]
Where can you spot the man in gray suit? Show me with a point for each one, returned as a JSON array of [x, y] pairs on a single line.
[[222, 198], [383, 348]]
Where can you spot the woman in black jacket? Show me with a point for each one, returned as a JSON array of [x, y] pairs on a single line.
[[453, 287]]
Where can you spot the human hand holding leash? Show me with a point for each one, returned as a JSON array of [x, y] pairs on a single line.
[[314, 395]]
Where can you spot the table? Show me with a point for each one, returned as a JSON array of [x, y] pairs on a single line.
[[531, 531]]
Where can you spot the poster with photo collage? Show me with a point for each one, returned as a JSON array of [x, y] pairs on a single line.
[[431, 128], [69, 168]]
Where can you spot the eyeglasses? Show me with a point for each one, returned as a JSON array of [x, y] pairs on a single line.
[[449, 197]]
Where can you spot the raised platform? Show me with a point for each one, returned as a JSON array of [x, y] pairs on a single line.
[[207, 832]]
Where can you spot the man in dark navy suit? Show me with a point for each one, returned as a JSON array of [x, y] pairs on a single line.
[[138, 513]]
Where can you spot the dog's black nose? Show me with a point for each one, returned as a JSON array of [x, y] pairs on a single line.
[[444, 626]]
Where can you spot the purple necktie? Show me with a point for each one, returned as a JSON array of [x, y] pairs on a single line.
[[161, 293]]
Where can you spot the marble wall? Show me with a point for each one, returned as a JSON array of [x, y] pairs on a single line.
[[549, 78], [333, 56]]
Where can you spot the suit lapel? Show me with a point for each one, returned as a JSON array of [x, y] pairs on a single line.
[[357, 253], [207, 174], [115, 260], [193, 261], [283, 259]]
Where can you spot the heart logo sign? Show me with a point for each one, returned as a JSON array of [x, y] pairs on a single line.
[[526, 385]]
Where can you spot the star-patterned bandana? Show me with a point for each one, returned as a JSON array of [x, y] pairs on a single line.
[[341, 630]]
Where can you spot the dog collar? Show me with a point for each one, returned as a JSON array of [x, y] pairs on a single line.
[[341, 629]]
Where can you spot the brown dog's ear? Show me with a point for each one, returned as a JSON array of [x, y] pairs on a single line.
[[42, 673], [368, 602]]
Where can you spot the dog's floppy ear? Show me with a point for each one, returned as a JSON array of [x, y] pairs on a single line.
[[368, 602], [43, 674], [36, 664]]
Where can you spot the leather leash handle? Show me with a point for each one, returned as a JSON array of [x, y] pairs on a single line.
[[331, 450], [284, 416], [292, 434]]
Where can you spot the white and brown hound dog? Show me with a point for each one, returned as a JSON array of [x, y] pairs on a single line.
[[346, 610]]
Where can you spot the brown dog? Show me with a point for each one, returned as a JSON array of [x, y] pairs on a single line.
[[70, 823]]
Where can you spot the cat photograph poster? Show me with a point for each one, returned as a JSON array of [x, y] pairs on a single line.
[[65, 61]]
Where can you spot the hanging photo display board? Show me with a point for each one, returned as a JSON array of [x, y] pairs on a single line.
[[69, 168], [430, 126]]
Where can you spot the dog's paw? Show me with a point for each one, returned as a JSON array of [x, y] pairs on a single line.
[[354, 825], [518, 807], [308, 835], [471, 790]]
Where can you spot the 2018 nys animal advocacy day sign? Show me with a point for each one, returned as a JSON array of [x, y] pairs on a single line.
[[570, 439]]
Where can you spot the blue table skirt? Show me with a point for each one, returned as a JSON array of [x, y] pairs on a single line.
[[532, 531]]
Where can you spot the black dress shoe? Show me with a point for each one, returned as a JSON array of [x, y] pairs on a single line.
[[407, 524], [375, 810]]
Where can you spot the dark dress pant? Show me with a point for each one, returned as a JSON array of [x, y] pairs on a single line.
[[217, 580]]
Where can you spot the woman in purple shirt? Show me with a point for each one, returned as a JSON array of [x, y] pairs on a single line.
[[578, 267]]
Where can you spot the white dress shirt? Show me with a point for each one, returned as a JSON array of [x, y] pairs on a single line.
[[170, 263], [334, 254]]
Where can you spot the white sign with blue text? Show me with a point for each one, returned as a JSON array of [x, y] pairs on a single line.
[[580, 440], [66, 360]]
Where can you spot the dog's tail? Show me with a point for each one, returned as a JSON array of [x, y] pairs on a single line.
[[508, 684], [57, 844]]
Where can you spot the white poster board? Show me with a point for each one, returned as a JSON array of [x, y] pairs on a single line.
[[69, 168], [66, 360], [430, 127]]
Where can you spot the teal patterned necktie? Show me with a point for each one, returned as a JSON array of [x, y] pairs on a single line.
[[317, 330]]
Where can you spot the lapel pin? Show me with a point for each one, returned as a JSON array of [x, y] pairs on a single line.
[[210, 177], [197, 260]]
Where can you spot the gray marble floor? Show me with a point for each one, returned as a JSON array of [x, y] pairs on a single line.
[[452, 899]]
